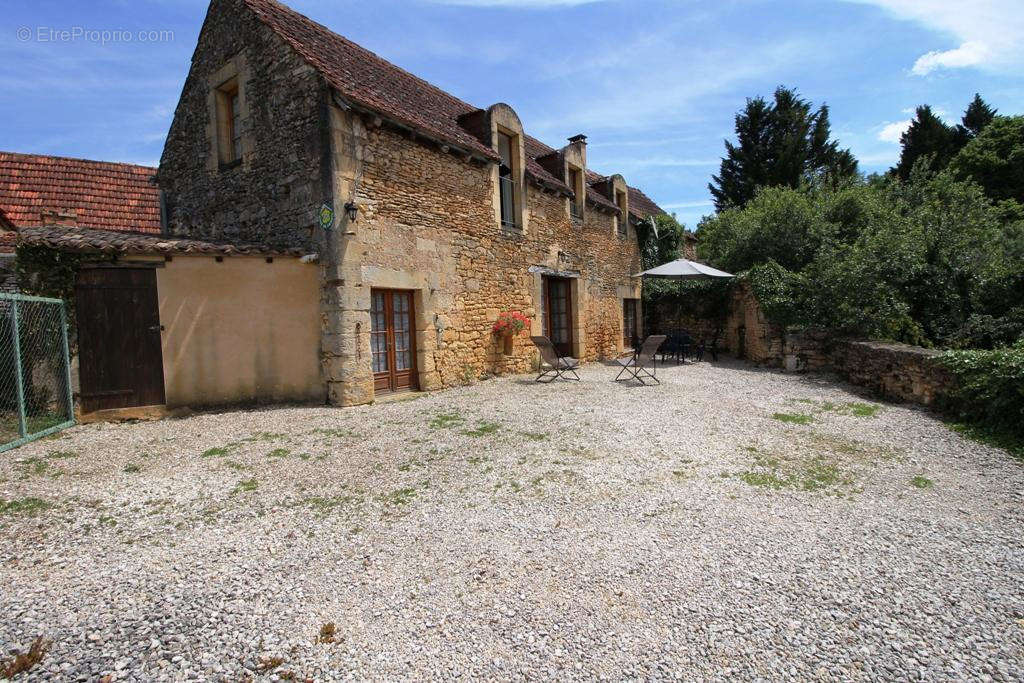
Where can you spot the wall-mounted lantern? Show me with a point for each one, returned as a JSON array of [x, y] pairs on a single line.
[[352, 210]]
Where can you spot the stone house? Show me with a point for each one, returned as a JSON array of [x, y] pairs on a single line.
[[333, 227], [445, 213]]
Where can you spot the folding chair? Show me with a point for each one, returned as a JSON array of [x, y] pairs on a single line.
[[559, 366], [640, 366]]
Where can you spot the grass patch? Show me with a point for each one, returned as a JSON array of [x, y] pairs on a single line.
[[820, 474], [535, 436], [398, 496], [793, 418], [863, 409], [814, 473], [216, 451], [61, 455], [244, 486], [446, 421], [483, 429], [237, 466], [20, 662], [335, 431], [922, 482], [34, 466], [279, 453], [24, 506], [132, 468], [987, 436], [326, 505], [409, 464]]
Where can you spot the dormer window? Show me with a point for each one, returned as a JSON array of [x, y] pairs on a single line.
[[575, 178], [508, 188], [623, 219], [229, 125]]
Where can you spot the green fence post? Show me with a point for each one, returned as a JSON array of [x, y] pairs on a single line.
[[17, 371], [67, 359]]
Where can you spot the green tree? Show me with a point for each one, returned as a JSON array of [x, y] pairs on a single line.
[[660, 239], [928, 261], [978, 115], [928, 138], [995, 159], [782, 143]]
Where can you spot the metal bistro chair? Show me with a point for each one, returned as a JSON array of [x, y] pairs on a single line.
[[704, 347], [640, 366], [559, 366]]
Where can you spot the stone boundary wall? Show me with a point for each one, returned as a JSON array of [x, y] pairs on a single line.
[[893, 371]]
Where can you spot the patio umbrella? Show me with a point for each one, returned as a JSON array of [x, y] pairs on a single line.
[[681, 269]]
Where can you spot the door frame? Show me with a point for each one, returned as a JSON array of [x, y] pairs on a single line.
[[413, 370], [569, 311], [634, 334]]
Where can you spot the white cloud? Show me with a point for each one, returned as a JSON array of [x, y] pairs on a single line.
[[968, 54], [891, 132], [987, 34]]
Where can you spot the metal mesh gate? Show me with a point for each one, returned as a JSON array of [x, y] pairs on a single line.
[[35, 369]]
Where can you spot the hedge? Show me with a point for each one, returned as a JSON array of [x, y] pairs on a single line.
[[988, 388]]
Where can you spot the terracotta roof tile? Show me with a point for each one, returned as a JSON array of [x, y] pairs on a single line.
[[641, 205], [99, 194], [106, 241]]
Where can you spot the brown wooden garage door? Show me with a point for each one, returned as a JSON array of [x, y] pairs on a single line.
[[120, 361]]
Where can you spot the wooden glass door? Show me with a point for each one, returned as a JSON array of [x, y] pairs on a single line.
[[558, 321], [392, 340], [629, 331]]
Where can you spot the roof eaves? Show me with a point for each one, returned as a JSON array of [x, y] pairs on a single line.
[[353, 103], [110, 242]]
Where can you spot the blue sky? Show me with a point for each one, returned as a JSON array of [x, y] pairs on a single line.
[[654, 85]]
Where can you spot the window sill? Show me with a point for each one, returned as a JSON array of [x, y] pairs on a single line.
[[512, 230], [229, 165]]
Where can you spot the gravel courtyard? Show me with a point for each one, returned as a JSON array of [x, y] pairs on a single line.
[[733, 522]]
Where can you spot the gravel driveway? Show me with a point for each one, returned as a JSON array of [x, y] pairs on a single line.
[[733, 522]]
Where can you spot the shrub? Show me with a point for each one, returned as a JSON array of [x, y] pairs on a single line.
[[988, 388]]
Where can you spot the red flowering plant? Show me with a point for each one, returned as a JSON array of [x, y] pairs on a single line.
[[510, 323]]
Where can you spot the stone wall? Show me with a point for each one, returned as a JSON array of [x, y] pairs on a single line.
[[742, 330], [273, 195], [894, 371]]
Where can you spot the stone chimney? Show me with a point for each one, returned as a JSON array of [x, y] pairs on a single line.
[[576, 151]]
